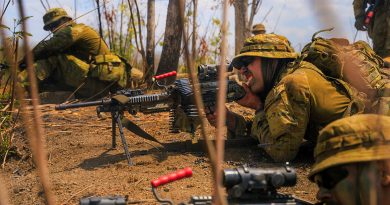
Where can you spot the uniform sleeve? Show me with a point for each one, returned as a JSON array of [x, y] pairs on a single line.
[[60, 41], [281, 127], [359, 7]]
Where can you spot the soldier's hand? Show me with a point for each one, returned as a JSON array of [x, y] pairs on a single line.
[[359, 24], [250, 99], [211, 115], [212, 118]]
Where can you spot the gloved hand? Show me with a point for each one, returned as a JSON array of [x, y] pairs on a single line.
[[359, 24]]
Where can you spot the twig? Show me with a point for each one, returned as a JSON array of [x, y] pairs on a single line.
[[6, 153], [4, 199], [5, 108], [36, 134], [145, 141], [139, 181], [221, 109], [44, 6], [4, 159], [199, 103], [74, 92], [73, 195], [4, 10], [266, 15], [100, 19], [280, 14]]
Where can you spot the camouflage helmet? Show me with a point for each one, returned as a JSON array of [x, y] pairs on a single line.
[[265, 46], [258, 29], [360, 138], [54, 15]]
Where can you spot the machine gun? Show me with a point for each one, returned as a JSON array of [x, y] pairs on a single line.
[[249, 186], [177, 96]]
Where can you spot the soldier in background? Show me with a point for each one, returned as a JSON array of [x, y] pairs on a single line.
[[353, 161], [375, 19], [76, 59], [291, 97], [258, 29]]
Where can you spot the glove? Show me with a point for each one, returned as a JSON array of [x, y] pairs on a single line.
[[359, 24]]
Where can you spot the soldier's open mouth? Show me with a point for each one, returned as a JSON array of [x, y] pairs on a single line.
[[248, 77]]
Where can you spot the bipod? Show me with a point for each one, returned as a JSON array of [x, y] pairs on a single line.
[[116, 117]]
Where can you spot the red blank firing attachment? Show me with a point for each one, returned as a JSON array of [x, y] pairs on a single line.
[[186, 172], [165, 75], [369, 17]]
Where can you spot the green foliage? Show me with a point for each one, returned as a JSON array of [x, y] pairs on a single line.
[[6, 121], [5, 128], [216, 21], [182, 69]]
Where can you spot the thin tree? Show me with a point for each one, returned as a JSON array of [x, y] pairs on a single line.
[[242, 23], [194, 34], [150, 41], [99, 18], [255, 6], [121, 10], [137, 32], [172, 41]]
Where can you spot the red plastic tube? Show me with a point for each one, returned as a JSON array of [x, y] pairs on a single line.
[[183, 173], [165, 75]]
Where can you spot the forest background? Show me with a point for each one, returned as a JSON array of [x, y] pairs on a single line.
[[124, 24]]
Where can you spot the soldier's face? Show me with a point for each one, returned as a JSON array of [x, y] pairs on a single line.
[[361, 185], [254, 76]]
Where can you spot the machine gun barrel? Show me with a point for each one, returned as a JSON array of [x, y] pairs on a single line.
[[83, 104]]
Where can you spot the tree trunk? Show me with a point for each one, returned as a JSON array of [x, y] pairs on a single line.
[[254, 9], [150, 41], [172, 40], [194, 35], [241, 21]]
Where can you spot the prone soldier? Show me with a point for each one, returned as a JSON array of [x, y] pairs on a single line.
[[353, 161], [292, 98]]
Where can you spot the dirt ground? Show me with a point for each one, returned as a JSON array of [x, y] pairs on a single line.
[[82, 164]]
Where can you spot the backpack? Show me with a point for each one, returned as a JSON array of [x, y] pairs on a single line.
[[357, 64]]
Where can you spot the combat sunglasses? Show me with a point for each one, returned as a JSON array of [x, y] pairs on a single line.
[[330, 177], [243, 62]]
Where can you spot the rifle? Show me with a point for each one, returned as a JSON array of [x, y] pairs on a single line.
[[249, 186], [174, 97], [370, 12]]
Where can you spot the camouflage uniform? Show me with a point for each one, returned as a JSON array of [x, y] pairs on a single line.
[[75, 57], [302, 101], [379, 27], [258, 29]]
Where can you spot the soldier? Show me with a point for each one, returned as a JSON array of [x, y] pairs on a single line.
[[377, 26], [293, 100], [353, 161], [258, 29], [76, 58]]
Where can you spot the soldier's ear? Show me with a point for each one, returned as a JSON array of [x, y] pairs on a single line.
[[385, 172]]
